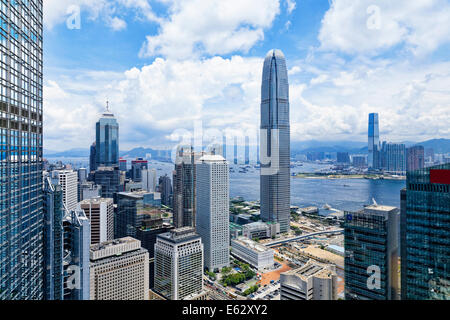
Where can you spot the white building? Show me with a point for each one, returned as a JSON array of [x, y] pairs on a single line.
[[68, 180], [213, 203], [252, 252], [179, 264], [149, 180], [119, 270], [100, 212], [261, 230], [313, 281]]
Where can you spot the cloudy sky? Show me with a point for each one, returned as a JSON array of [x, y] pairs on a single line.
[[169, 66]]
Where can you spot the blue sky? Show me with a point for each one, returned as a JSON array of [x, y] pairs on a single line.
[[169, 66]]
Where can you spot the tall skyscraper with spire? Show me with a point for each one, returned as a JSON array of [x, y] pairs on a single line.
[[107, 140], [21, 201], [275, 141]]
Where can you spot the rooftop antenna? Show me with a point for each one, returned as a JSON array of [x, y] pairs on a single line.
[[374, 202], [107, 104]]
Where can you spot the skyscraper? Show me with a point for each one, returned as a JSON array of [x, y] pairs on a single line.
[[68, 180], [136, 169], [179, 264], [415, 158], [235, 149], [213, 206], [119, 270], [247, 150], [374, 141], [93, 158], [21, 221], [371, 243], [107, 140], [184, 184], [425, 234], [100, 213], [392, 158], [275, 141], [165, 188]]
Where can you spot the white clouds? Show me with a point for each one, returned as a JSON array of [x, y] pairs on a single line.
[[211, 27], [291, 5], [154, 101], [369, 27], [56, 11]]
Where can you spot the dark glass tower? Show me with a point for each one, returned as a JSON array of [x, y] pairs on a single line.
[[373, 142], [275, 141], [425, 237], [21, 201], [107, 140]]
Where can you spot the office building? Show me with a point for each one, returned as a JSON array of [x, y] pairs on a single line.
[[247, 150], [224, 147], [132, 209], [179, 264], [235, 149], [53, 240], [122, 164], [374, 142], [275, 141], [68, 180], [415, 158], [184, 187], [149, 180], [213, 203], [93, 158], [21, 140], [261, 230], [165, 188], [77, 239], [119, 270], [100, 212], [425, 240], [313, 281], [136, 169], [89, 190], [110, 180], [151, 227], [107, 140], [371, 243], [253, 253]]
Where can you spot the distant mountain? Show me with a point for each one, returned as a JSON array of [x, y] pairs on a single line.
[[72, 153], [143, 152], [438, 145]]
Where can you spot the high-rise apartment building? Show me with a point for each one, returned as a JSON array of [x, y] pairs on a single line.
[[313, 281], [107, 140], [213, 206], [373, 142], [371, 243], [119, 270], [415, 158], [21, 212], [100, 212], [68, 180], [179, 264], [425, 241], [393, 158], [275, 141]]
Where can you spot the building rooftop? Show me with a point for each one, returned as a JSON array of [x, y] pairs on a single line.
[[114, 247], [179, 235], [96, 200], [212, 158], [312, 269], [251, 244]]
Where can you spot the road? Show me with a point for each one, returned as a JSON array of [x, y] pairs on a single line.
[[305, 236]]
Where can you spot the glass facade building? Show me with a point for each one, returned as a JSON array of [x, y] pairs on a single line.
[[425, 231], [275, 141], [21, 201], [371, 243], [373, 142], [53, 241], [107, 141]]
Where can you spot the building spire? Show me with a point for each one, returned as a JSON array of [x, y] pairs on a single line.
[[107, 105]]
